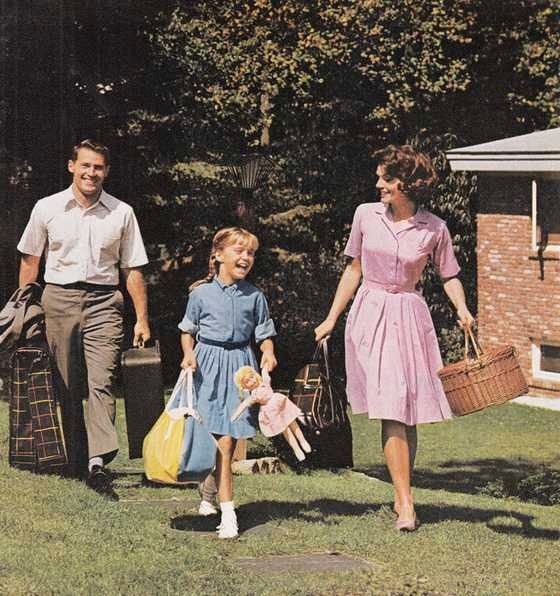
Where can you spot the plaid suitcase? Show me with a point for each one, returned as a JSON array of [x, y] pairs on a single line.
[[143, 393], [36, 441]]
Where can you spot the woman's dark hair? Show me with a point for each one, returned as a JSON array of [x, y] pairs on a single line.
[[412, 168]]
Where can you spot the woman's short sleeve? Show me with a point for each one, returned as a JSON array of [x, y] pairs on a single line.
[[443, 255], [354, 245], [189, 323], [264, 327]]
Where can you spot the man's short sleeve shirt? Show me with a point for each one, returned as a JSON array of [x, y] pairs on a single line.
[[83, 245]]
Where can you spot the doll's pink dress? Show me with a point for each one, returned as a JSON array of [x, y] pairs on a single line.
[[392, 352], [276, 412]]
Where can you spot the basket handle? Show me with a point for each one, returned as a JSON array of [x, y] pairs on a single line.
[[469, 335]]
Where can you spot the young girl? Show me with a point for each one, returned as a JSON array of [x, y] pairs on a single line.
[[223, 313]]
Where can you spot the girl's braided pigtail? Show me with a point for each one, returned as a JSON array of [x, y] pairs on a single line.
[[213, 267]]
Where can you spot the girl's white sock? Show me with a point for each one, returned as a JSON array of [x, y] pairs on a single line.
[[227, 506], [228, 523]]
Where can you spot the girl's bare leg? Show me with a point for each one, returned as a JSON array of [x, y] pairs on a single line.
[[292, 442], [398, 457], [294, 427], [224, 475]]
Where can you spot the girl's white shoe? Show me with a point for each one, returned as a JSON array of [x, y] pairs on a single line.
[[228, 525], [205, 508]]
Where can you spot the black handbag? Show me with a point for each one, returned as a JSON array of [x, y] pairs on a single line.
[[324, 419]]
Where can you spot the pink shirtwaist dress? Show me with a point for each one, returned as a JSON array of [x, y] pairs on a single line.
[[392, 353]]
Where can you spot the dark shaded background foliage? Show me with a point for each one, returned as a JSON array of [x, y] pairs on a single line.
[[175, 87]]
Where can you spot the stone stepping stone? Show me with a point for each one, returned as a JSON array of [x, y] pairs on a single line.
[[263, 530], [330, 562]]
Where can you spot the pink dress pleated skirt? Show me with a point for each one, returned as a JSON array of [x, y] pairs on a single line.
[[392, 358], [392, 353]]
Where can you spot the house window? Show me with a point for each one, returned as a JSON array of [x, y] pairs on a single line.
[[546, 361], [546, 214]]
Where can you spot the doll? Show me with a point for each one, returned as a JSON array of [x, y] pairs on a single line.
[[277, 414]]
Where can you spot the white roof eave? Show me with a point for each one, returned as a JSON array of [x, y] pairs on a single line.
[[522, 155]]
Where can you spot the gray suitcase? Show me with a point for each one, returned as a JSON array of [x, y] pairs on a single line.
[[143, 393]]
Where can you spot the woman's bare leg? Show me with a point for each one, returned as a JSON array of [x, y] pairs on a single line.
[[397, 455], [294, 427], [412, 437]]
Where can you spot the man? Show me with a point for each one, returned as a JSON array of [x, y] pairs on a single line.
[[86, 235]]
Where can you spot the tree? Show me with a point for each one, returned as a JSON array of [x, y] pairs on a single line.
[[536, 95], [342, 78], [69, 70], [176, 87]]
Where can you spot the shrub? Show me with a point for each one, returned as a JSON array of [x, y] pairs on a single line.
[[542, 488]]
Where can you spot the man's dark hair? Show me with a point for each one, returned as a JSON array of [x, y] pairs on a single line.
[[93, 146]]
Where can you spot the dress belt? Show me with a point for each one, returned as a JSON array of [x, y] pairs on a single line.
[[227, 345], [390, 288]]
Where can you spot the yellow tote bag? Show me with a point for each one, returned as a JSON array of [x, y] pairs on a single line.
[[162, 447]]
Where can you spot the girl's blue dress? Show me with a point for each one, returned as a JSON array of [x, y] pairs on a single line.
[[228, 317]]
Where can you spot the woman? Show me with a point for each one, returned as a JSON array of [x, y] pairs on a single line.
[[392, 354]]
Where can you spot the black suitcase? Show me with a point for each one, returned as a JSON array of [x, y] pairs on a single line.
[[143, 393]]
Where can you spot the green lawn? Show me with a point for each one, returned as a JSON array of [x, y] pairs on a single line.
[[58, 537]]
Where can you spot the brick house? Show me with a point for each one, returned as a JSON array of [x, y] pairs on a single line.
[[518, 249]]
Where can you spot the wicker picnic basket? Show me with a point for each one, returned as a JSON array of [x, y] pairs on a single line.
[[492, 378]]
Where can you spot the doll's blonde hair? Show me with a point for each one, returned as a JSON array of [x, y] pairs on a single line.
[[225, 237], [241, 374]]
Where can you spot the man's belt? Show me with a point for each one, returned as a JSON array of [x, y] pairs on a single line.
[[87, 287]]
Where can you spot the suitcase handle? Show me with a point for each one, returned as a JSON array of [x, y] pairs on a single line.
[[151, 343]]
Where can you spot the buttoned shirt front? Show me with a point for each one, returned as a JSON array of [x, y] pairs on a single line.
[[394, 254], [227, 313], [83, 244]]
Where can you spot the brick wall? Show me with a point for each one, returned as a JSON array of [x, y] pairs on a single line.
[[515, 306]]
